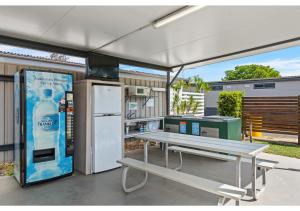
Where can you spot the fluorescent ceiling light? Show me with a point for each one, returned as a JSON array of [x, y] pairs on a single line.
[[176, 15]]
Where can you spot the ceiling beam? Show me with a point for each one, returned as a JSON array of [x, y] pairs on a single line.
[[41, 46], [240, 52], [72, 52], [145, 65], [178, 72]]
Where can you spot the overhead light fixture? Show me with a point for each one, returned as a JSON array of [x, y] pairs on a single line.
[[176, 15]]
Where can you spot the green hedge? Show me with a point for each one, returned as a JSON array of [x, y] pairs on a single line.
[[230, 103]]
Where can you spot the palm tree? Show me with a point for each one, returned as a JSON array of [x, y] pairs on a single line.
[[190, 104], [175, 102], [195, 106], [180, 85], [200, 84], [185, 106]]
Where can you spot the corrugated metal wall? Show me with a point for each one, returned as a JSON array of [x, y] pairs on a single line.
[[6, 112], [6, 102], [159, 98]]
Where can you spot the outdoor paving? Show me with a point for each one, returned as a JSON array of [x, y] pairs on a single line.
[[282, 138], [283, 185]]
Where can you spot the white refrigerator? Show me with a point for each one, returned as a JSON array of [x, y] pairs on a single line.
[[106, 127]]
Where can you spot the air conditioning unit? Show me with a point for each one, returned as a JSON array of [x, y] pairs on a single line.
[[138, 91]]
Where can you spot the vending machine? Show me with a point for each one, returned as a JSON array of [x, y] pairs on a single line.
[[43, 126]]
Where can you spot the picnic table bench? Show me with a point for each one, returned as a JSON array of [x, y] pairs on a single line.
[[236, 149], [262, 164], [224, 191]]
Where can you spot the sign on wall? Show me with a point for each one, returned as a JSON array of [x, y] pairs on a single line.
[[150, 103], [182, 127], [196, 128], [132, 106]]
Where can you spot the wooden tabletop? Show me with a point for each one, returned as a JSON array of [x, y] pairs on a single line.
[[239, 148]]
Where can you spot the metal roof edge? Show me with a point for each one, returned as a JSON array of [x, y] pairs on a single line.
[[38, 58], [250, 81]]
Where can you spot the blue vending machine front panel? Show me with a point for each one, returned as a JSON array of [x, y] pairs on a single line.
[[45, 146]]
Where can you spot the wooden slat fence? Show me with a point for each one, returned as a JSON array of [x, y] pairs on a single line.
[[279, 115]]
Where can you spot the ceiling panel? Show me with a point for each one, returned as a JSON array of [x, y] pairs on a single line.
[[29, 22], [210, 32], [93, 26]]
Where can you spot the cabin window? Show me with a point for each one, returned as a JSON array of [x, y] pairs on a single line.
[[264, 86], [217, 88]]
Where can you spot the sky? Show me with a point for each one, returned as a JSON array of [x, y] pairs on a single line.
[[286, 61]]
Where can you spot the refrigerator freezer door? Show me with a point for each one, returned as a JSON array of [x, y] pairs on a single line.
[[107, 143], [106, 99]]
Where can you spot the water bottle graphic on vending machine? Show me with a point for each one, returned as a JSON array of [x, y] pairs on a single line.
[[46, 132]]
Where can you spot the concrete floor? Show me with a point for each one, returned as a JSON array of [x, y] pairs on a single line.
[[280, 138], [283, 185]]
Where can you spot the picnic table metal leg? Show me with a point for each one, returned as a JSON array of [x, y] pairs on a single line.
[[146, 151], [263, 184], [264, 180], [167, 154], [221, 201], [254, 177], [125, 171], [238, 175], [178, 168], [133, 188]]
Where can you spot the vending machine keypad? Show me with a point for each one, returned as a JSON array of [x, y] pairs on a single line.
[[69, 124]]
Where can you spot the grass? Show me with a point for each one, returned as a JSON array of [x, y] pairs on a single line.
[[289, 150], [6, 169]]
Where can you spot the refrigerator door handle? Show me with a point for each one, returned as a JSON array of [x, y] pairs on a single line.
[[112, 114], [102, 115]]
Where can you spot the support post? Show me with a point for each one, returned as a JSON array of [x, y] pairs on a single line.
[[298, 118], [244, 121], [168, 94], [250, 130]]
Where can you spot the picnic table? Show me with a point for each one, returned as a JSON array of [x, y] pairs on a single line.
[[233, 148]]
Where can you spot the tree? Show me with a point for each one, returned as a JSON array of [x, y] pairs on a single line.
[[230, 103], [59, 57], [182, 84], [177, 105], [252, 71], [199, 84]]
